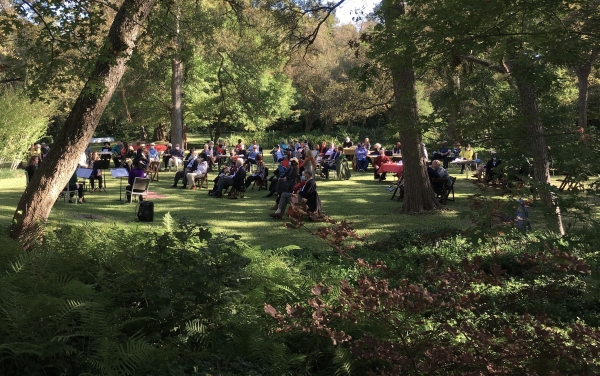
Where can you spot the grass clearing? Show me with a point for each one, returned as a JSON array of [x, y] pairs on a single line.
[[360, 200]]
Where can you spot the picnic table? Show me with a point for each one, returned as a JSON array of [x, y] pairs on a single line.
[[395, 168], [467, 163]]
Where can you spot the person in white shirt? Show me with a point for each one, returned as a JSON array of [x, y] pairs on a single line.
[[201, 170]]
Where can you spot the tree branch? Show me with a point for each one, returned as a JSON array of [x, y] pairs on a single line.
[[472, 59]]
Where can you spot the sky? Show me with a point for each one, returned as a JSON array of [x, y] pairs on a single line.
[[346, 11]]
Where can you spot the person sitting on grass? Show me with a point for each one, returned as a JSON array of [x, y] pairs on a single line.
[[96, 171], [362, 162], [308, 192], [259, 174], [191, 166], [378, 162], [235, 179], [136, 172], [330, 164]]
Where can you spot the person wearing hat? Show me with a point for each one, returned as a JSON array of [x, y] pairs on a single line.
[[287, 181], [199, 172]]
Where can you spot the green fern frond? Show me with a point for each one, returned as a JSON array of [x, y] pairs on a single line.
[[344, 361], [169, 222]]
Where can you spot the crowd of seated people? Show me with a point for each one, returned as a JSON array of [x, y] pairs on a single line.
[[230, 177], [305, 189]]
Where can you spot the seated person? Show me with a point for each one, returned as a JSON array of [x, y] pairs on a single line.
[[45, 150], [235, 179], [73, 186], [96, 171], [310, 163], [378, 162], [252, 145], [136, 172], [207, 155], [287, 181], [490, 166], [436, 171], [142, 156], [167, 155], [259, 174], [275, 179], [308, 192], [277, 153], [376, 149], [32, 165], [362, 162], [397, 148], [153, 155], [106, 148], [347, 143], [329, 151], [330, 164], [239, 147], [367, 144], [252, 154], [283, 145], [443, 154], [191, 166], [176, 159], [129, 158], [200, 171], [221, 148], [116, 153]]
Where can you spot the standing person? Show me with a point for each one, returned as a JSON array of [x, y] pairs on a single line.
[[96, 171], [32, 166], [143, 134], [45, 150], [466, 154], [310, 162], [136, 172]]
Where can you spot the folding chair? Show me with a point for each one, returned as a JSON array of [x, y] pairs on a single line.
[[152, 170], [262, 183], [139, 188], [66, 194], [444, 194], [201, 181]]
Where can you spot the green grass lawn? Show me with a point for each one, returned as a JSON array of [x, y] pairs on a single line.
[[361, 200]]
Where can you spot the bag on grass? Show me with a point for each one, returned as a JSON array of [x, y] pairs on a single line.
[[146, 211]]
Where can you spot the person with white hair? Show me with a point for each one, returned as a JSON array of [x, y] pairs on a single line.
[[348, 143], [199, 172], [191, 167], [236, 179], [176, 158]]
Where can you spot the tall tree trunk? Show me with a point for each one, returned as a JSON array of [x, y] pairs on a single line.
[[48, 181], [541, 164], [176, 90], [418, 194], [309, 119], [583, 75]]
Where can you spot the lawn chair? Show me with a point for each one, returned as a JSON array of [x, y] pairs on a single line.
[[152, 170], [398, 188], [262, 183], [201, 181]]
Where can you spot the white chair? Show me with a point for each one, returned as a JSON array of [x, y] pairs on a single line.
[[139, 188], [66, 194]]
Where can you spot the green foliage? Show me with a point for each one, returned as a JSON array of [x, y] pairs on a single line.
[[22, 123]]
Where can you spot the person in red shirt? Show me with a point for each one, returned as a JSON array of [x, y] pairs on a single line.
[[378, 162]]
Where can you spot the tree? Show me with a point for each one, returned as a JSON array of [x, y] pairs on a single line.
[[40, 195], [21, 124]]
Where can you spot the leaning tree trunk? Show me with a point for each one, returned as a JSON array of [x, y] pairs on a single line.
[[418, 194], [541, 164], [45, 186]]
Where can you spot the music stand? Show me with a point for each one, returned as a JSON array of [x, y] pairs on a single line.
[[120, 173], [84, 173]]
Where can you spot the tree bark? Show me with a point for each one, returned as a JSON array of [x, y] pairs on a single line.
[[541, 164], [418, 193], [176, 90], [42, 191], [583, 75]]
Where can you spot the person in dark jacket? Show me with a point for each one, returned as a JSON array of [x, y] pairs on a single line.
[[32, 165], [489, 168], [237, 179], [308, 191], [287, 181]]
